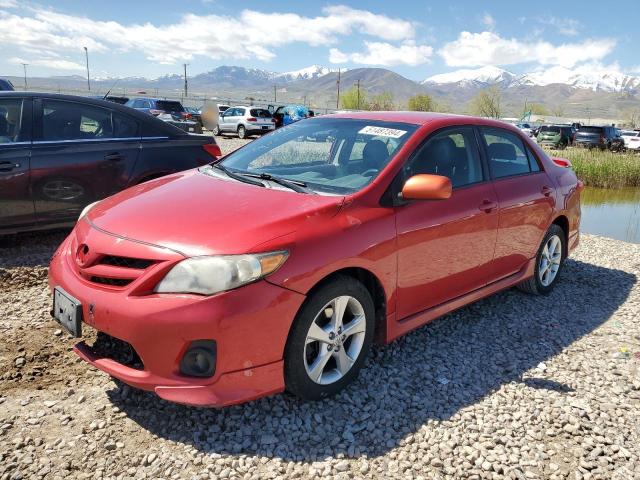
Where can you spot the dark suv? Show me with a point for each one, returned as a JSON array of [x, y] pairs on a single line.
[[604, 137], [555, 136], [170, 111]]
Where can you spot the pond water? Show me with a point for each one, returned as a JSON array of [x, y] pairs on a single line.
[[612, 213]]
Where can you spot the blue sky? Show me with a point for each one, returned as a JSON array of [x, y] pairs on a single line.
[[414, 38]]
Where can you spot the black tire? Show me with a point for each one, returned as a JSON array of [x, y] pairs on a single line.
[[297, 380], [534, 285], [242, 132]]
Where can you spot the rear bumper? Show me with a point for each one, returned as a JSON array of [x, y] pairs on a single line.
[[250, 326]]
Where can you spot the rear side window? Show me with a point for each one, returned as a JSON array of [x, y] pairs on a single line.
[[239, 112], [169, 106], [452, 153], [506, 154], [74, 121], [260, 113], [596, 130], [10, 120]]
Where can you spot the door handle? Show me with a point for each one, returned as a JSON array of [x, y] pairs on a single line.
[[114, 157], [487, 206], [546, 191], [8, 166]]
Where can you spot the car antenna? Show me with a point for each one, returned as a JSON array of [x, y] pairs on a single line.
[[109, 91]]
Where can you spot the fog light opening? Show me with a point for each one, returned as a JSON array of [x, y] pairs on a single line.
[[200, 359]]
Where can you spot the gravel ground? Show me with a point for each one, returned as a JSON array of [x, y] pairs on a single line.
[[514, 386]]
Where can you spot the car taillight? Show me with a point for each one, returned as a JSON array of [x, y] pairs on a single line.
[[601, 138], [562, 162], [153, 111], [274, 120], [186, 115], [212, 149], [573, 137], [252, 119]]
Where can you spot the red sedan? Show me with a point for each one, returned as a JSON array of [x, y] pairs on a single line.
[[277, 267]]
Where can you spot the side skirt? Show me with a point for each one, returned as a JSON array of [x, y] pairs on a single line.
[[396, 329]]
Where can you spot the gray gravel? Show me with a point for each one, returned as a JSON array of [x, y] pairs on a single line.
[[513, 386]]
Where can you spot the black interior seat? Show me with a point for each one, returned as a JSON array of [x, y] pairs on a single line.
[[374, 155]]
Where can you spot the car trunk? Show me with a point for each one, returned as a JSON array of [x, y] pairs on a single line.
[[589, 135]]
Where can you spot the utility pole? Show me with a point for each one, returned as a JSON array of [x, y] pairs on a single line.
[[24, 66], [185, 80], [275, 94], [338, 96], [358, 86], [86, 54]]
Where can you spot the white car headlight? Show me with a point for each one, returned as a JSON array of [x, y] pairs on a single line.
[[209, 275], [86, 209]]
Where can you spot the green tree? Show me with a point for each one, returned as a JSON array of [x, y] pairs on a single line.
[[558, 111], [382, 101], [422, 103], [487, 103], [350, 99], [537, 109]]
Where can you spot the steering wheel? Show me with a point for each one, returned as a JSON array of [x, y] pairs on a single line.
[[369, 173]]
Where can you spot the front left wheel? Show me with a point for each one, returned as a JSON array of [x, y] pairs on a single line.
[[329, 340]]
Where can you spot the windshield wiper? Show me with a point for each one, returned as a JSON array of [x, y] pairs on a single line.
[[294, 185], [236, 176]]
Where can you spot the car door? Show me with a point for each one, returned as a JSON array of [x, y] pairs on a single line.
[[225, 119], [81, 153], [525, 197], [445, 247], [236, 119], [16, 204]]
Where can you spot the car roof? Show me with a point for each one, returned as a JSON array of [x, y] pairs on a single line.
[[138, 115], [422, 118]]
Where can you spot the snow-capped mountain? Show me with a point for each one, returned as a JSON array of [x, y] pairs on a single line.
[[314, 71], [483, 75], [589, 77]]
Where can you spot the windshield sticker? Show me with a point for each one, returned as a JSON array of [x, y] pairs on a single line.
[[382, 132]]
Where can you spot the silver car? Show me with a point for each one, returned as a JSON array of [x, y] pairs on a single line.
[[245, 121]]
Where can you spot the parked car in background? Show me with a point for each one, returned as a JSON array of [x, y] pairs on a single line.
[[196, 114], [286, 114], [277, 267], [59, 153], [222, 108], [245, 121], [603, 137], [631, 139], [170, 111], [525, 128], [6, 85], [555, 136], [112, 98]]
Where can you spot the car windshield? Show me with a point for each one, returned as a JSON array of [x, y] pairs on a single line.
[[630, 134], [330, 155], [550, 129], [169, 106], [260, 113]]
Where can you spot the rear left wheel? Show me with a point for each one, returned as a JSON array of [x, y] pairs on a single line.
[[329, 340], [549, 262], [242, 132]]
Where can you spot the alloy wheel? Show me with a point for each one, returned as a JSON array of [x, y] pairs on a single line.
[[334, 340], [62, 190], [550, 260]]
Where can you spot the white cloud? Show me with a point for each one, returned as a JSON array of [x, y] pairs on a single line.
[[54, 63], [212, 36], [8, 4], [489, 21], [385, 54], [564, 26], [488, 48]]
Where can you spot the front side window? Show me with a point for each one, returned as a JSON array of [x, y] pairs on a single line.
[[10, 120], [338, 155], [452, 153], [506, 153], [74, 121]]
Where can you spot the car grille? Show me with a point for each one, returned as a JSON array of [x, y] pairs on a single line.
[[112, 282], [126, 262], [106, 346]]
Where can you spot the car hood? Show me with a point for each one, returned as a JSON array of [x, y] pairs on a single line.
[[197, 214]]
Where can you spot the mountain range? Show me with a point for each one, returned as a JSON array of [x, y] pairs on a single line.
[[581, 92]]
